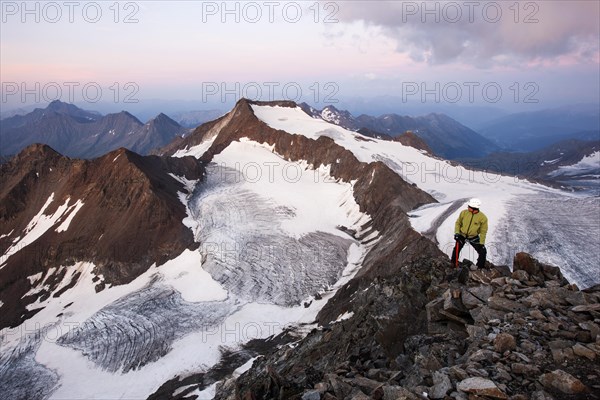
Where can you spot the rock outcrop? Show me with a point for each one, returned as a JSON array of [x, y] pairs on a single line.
[[525, 334]]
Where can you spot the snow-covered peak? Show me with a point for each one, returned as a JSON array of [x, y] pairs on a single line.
[[331, 114]]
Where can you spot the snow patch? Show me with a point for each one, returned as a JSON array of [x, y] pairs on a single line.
[[186, 275], [205, 394], [194, 151], [38, 225], [344, 316], [587, 165], [75, 208], [35, 278], [245, 367], [187, 183]]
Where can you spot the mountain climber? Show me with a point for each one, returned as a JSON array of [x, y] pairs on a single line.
[[471, 226]]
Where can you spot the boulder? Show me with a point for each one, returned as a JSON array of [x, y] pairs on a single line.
[[481, 387], [475, 296], [391, 392], [538, 271], [504, 342], [503, 304], [311, 395], [583, 351], [525, 369], [563, 382], [525, 262], [366, 385], [520, 275], [340, 388], [441, 385]]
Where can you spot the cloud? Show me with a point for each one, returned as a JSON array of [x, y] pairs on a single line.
[[484, 33]]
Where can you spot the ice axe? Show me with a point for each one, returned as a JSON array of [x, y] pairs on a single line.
[[456, 255]]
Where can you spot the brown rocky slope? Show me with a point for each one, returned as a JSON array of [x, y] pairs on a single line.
[[417, 335], [131, 217]]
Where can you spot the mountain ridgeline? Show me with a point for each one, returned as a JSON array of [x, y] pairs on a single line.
[[82, 134]]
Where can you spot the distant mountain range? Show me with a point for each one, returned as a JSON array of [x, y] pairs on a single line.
[[531, 131], [85, 134], [443, 135], [571, 162], [192, 119]]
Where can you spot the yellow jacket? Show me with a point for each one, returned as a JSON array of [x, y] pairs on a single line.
[[471, 224]]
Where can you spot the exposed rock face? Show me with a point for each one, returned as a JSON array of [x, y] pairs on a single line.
[[412, 334], [112, 200], [408, 138]]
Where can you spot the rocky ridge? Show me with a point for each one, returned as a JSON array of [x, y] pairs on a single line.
[[525, 334]]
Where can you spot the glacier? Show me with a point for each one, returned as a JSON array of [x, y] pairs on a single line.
[[268, 257]]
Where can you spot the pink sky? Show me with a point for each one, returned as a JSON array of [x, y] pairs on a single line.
[[365, 47]]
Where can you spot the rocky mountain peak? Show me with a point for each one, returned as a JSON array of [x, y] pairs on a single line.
[[38, 151], [61, 107], [137, 191]]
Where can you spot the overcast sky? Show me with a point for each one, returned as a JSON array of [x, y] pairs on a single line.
[[508, 54]]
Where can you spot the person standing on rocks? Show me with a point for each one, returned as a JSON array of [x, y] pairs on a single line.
[[471, 226]]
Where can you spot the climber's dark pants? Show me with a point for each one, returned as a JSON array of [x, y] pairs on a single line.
[[479, 248]]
